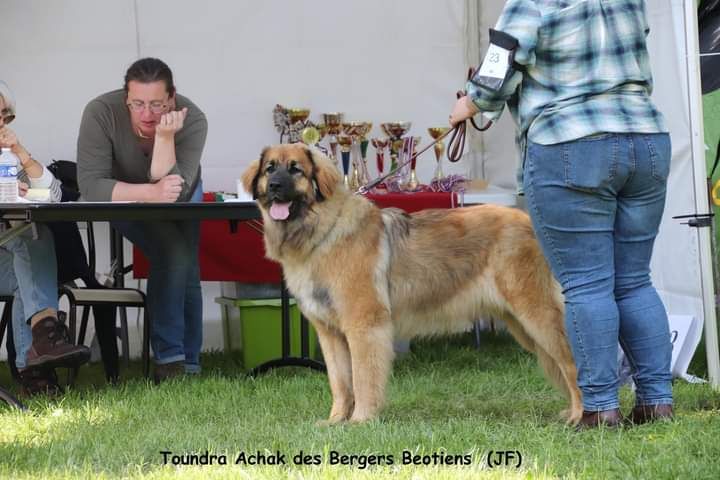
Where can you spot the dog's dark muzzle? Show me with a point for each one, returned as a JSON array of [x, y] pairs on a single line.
[[281, 186]]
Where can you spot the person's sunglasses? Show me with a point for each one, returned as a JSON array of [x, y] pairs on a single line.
[[7, 116]]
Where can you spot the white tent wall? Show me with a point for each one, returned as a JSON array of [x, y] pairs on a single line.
[[372, 59], [677, 267]]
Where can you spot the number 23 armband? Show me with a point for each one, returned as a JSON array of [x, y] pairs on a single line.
[[499, 62]]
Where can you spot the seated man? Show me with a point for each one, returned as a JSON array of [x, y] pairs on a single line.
[[28, 273], [143, 143]]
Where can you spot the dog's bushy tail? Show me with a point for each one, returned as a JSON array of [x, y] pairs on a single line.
[[552, 372]]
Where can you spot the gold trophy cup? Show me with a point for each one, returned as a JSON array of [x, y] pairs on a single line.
[[439, 148], [358, 131], [364, 142], [395, 130], [413, 183], [345, 145], [333, 121], [353, 130], [297, 121], [298, 115], [380, 144]]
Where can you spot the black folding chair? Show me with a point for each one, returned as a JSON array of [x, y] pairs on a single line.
[[6, 326], [74, 264]]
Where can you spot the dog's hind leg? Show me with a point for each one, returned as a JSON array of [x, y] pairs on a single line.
[[371, 349], [544, 328], [551, 369], [337, 360]]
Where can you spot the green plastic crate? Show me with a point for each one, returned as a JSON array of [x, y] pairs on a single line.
[[255, 328]]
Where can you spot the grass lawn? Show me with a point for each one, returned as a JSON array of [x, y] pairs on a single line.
[[445, 398]]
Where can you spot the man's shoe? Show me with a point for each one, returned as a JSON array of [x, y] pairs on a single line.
[[51, 347], [38, 381], [167, 371], [608, 418], [650, 413]]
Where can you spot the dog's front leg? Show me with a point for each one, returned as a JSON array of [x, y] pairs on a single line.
[[371, 349], [337, 360]]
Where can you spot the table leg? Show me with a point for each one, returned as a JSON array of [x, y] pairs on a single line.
[[287, 360]]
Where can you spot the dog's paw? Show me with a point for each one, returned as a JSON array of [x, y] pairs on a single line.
[[571, 416], [357, 419], [332, 421]]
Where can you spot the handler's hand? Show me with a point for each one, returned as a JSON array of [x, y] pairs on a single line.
[[464, 108], [171, 123], [22, 189], [168, 188]]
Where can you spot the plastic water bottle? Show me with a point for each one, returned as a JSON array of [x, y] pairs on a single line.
[[8, 176]]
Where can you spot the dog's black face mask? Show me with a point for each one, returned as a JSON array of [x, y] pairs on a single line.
[[280, 186], [282, 199], [287, 181]]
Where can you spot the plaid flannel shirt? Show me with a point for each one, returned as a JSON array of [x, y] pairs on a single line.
[[586, 70]]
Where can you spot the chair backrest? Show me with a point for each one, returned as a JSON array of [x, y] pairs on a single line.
[[66, 172], [73, 261]]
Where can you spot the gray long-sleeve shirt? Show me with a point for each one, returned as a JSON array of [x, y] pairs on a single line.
[[108, 150]]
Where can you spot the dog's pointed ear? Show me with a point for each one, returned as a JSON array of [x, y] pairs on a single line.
[[325, 175], [252, 174]]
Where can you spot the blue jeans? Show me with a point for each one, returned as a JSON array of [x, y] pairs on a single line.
[[28, 271], [596, 205], [174, 297]]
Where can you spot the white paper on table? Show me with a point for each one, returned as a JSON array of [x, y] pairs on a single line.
[[37, 195]]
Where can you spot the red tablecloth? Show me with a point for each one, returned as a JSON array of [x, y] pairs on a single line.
[[240, 256]]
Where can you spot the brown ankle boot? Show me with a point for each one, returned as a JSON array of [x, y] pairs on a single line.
[[608, 418], [51, 347], [650, 413], [37, 381], [168, 371]]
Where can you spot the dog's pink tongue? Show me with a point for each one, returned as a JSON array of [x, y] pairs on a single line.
[[280, 211]]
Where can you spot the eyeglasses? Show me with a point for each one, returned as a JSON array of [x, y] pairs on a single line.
[[155, 106], [7, 116]]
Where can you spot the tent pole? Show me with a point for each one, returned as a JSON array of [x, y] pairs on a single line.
[[697, 143]]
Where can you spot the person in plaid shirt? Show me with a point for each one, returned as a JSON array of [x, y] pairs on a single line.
[[595, 160]]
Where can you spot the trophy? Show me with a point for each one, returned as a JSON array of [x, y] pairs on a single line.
[[298, 115], [312, 135], [395, 130], [364, 142], [380, 145], [357, 132], [298, 122], [333, 121], [352, 130], [345, 145], [435, 133], [290, 122], [409, 146]]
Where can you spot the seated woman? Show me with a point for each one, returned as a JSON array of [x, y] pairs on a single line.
[[28, 273]]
